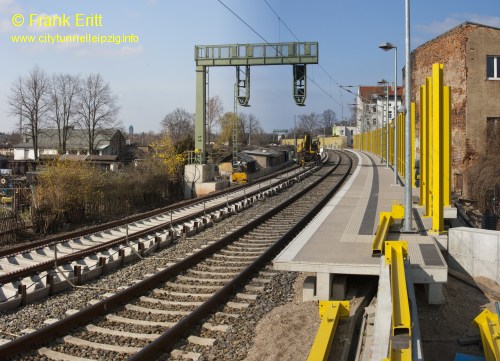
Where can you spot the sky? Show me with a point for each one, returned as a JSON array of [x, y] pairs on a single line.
[[155, 74]]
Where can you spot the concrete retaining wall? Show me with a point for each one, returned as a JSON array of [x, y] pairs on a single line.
[[476, 251]]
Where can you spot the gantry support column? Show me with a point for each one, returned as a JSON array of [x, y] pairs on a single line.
[[201, 114]]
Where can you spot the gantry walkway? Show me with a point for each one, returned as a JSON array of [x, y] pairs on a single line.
[[339, 240]]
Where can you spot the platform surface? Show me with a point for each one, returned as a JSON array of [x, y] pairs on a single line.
[[339, 239]]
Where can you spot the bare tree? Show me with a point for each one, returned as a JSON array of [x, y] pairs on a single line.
[[29, 100], [215, 110], [63, 93], [97, 108], [179, 125], [328, 120], [249, 125], [309, 122]]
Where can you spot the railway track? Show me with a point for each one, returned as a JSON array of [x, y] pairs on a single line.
[[177, 298], [28, 273]]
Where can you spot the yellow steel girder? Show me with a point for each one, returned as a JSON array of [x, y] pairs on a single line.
[[386, 221], [396, 253], [489, 328], [330, 312]]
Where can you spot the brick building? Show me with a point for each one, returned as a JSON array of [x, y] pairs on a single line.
[[470, 53]]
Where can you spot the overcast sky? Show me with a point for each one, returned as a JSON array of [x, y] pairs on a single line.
[[157, 74]]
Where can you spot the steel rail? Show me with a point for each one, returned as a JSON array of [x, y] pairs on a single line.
[[134, 218], [170, 337], [49, 265]]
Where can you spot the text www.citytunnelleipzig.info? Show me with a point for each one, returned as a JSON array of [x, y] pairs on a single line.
[[84, 39]]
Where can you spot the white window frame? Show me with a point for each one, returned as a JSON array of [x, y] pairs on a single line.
[[496, 67]]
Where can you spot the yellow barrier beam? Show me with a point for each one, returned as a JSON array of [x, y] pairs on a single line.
[[396, 253], [330, 313], [489, 328], [386, 221]]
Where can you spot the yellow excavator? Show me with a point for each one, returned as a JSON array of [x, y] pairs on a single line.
[[308, 150]]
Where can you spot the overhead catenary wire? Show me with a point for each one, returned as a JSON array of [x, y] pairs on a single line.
[[268, 43], [342, 88], [296, 38]]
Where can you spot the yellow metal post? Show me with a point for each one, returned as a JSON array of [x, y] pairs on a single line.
[[391, 143], [329, 312], [437, 148], [412, 136], [428, 136], [423, 144], [401, 147], [446, 146]]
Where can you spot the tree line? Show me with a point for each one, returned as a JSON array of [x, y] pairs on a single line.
[[63, 101], [179, 125], [315, 123]]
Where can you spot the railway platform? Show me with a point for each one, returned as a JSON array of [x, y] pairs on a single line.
[[337, 243]]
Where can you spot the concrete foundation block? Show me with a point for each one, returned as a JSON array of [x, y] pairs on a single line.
[[435, 294], [324, 285], [309, 289], [449, 212]]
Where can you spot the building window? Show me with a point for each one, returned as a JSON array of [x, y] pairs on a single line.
[[493, 67]]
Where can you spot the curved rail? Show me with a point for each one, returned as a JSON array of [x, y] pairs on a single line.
[[166, 340], [134, 218], [49, 264]]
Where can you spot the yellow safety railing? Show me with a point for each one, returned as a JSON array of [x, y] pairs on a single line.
[[489, 328], [396, 254], [330, 313], [375, 142]]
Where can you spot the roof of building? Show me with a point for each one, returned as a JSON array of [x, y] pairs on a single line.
[[78, 139], [74, 157], [263, 152], [366, 91], [455, 28], [102, 158]]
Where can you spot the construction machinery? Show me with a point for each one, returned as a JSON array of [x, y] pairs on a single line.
[[308, 150]]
